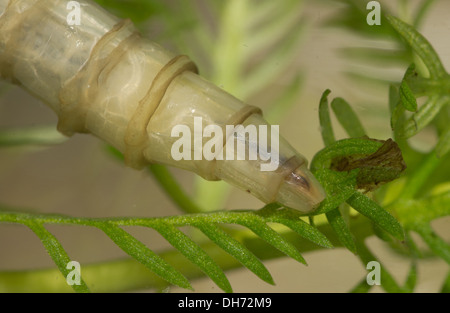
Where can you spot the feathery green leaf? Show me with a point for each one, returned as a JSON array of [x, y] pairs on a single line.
[[443, 146], [342, 230], [436, 243], [235, 249], [56, 252], [347, 118], [424, 115], [339, 186], [407, 97], [259, 227], [421, 46], [291, 218], [376, 213], [411, 280], [141, 253], [195, 254], [326, 128]]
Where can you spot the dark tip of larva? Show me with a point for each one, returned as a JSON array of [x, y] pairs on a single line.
[[300, 180], [299, 188], [307, 185]]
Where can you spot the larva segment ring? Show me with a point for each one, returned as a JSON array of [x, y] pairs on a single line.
[[136, 134], [74, 97]]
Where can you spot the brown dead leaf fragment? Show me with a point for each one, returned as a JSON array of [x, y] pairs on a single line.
[[383, 166]]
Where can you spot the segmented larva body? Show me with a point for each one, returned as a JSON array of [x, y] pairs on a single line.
[[102, 77]]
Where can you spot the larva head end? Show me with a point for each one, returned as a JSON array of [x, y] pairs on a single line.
[[301, 190]]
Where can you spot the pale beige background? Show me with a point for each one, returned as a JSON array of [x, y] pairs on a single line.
[[78, 179]]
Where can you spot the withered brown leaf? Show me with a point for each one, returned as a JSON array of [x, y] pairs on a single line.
[[382, 166]]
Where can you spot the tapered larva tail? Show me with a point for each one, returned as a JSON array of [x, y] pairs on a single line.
[[102, 77]]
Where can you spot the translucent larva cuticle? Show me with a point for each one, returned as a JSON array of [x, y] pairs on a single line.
[[102, 77], [299, 189]]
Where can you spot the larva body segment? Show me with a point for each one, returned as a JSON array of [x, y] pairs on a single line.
[[102, 77]]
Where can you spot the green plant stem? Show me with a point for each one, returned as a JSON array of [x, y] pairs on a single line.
[[227, 217], [228, 61], [35, 135], [126, 275], [436, 244], [173, 189], [167, 182]]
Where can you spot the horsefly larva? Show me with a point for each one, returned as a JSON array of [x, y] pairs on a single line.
[[102, 77]]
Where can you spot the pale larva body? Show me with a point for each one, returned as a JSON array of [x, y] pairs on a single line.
[[102, 77]]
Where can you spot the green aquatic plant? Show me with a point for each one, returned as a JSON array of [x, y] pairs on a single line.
[[374, 187]]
